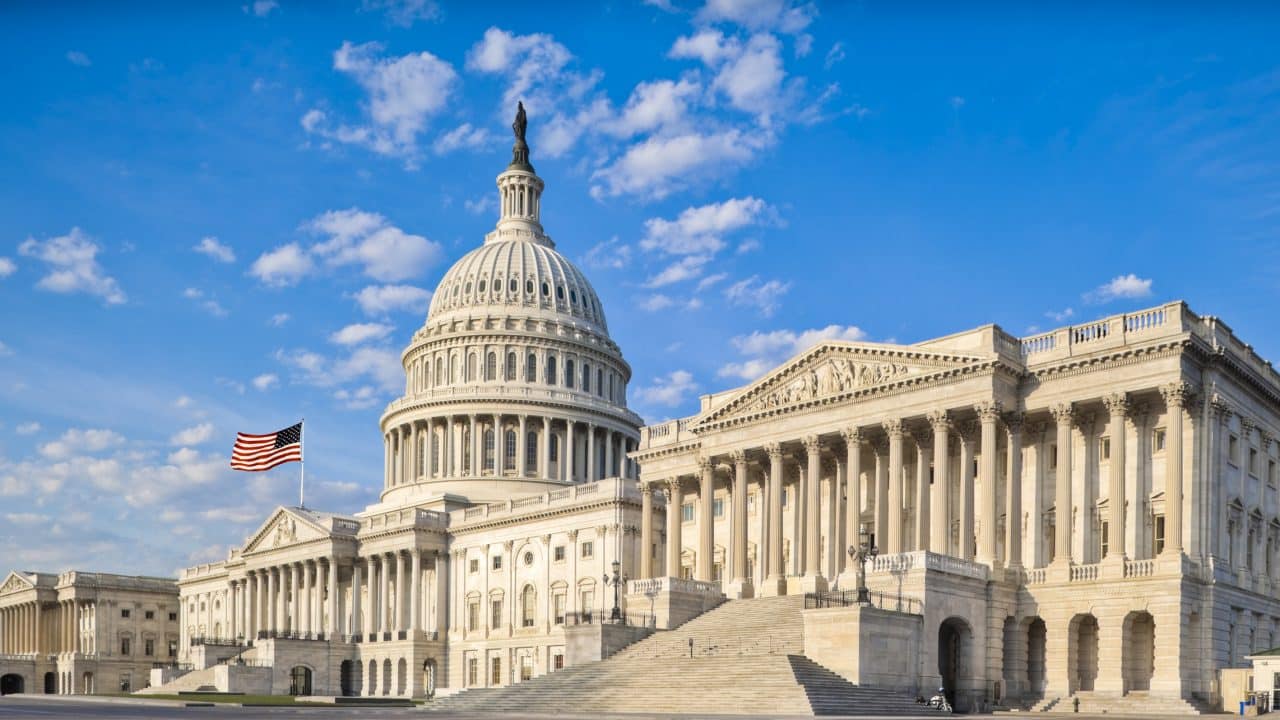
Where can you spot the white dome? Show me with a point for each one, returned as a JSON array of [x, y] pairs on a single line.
[[504, 275]]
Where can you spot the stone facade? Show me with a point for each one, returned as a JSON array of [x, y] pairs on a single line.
[[81, 632]]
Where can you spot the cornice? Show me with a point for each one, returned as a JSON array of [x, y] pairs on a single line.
[[1124, 356], [630, 422], [519, 519]]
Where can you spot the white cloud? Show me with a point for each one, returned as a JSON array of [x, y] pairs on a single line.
[[752, 80], [656, 302], [669, 390], [404, 13], [360, 332], [359, 398], [26, 518], [209, 305], [283, 266], [7, 267], [765, 350], [709, 46], [382, 299], [210, 246], [611, 253], [465, 136], [386, 252], [376, 364], [479, 206], [76, 440], [781, 15], [261, 8], [4, 350], [710, 280], [182, 402], [28, 428], [746, 246], [265, 381], [279, 319], [1062, 316], [764, 296], [699, 230], [1121, 287], [655, 105], [73, 266], [404, 93], [686, 268], [660, 165], [834, 55], [193, 435], [76, 57]]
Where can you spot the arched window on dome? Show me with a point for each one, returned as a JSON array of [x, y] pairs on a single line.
[[573, 296], [481, 288], [586, 377], [488, 449], [568, 373], [611, 396], [510, 370], [466, 450], [528, 287], [600, 382], [531, 450], [420, 459], [509, 449], [555, 447], [531, 368], [551, 370], [560, 293], [435, 453], [455, 368], [439, 376], [491, 367], [513, 286], [471, 367]]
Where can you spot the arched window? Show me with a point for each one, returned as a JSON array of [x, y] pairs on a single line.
[[509, 451], [586, 377], [471, 367], [491, 367], [555, 448], [599, 382], [488, 449], [531, 368], [435, 453], [531, 449], [528, 606], [511, 366], [439, 376], [466, 450], [611, 395], [568, 373], [551, 370]]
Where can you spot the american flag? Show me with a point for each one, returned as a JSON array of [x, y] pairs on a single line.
[[263, 452]]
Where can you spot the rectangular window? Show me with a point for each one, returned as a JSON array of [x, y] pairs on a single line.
[[150, 615], [473, 615], [495, 614], [497, 562], [473, 670], [588, 550], [717, 507], [173, 617], [686, 513], [558, 553], [1253, 462], [1233, 450], [1271, 472], [124, 613], [495, 670], [1105, 450], [126, 682], [526, 662], [148, 647], [173, 648], [1053, 457], [1275, 681], [557, 662], [587, 604], [474, 565], [1158, 438], [124, 646], [1159, 534], [1106, 528], [558, 605]]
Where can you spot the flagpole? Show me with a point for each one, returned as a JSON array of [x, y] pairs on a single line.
[[302, 463]]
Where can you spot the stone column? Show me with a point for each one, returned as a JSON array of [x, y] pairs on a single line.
[[415, 594], [446, 448], [372, 615], [813, 580], [568, 461], [968, 439], [474, 465], [853, 491], [940, 533], [306, 601], [646, 531], [591, 453], [1063, 415], [401, 621], [295, 603], [385, 623], [988, 415], [1013, 493], [893, 428], [440, 600], [1176, 397], [38, 641], [609, 441], [880, 447], [544, 461], [741, 584], [332, 627], [776, 582], [921, 436], [1118, 406], [357, 624], [273, 598], [522, 447], [499, 446], [428, 449], [233, 604], [386, 459], [706, 521], [673, 529]]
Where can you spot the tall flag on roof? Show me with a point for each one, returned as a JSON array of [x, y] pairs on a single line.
[[255, 453]]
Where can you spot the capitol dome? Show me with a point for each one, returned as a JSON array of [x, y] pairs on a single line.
[[512, 385]]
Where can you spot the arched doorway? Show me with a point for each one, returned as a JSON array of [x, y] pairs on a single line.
[[402, 677], [300, 680], [344, 678], [12, 684], [86, 684], [429, 678], [373, 678], [954, 636], [1082, 656], [386, 676], [1037, 635], [1139, 651], [50, 683]]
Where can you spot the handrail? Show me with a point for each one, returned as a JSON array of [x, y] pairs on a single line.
[[878, 600]]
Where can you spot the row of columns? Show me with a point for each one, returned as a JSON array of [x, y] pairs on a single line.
[[299, 598], [23, 629], [410, 450], [394, 593], [932, 528]]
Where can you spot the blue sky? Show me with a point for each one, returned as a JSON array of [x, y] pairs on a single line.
[[225, 216]]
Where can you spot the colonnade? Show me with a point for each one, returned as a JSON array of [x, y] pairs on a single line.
[[296, 598], [393, 591], [460, 446], [21, 629], [37, 628], [909, 491]]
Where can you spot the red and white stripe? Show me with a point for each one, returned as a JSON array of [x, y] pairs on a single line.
[[259, 452]]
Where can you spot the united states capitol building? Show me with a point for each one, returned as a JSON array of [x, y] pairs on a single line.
[[1087, 514]]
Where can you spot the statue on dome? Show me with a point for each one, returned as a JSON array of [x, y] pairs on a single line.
[[521, 122], [520, 150]]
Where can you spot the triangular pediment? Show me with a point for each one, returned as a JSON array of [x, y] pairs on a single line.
[[283, 528], [15, 582], [833, 369]]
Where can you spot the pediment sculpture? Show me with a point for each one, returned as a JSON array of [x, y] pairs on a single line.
[[14, 584], [286, 531], [835, 376]]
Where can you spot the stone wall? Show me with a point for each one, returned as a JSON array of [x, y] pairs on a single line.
[[597, 641], [866, 645]]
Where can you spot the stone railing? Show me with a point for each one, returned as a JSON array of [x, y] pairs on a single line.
[[18, 657], [654, 586], [405, 518], [1115, 331], [925, 560], [612, 487], [1034, 576], [663, 434], [1139, 568], [1084, 573]]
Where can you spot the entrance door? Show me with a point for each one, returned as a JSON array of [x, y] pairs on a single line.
[[50, 683], [300, 680], [11, 684], [344, 678]]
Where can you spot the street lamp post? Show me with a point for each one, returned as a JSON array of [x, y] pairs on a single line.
[[617, 581], [865, 550]]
